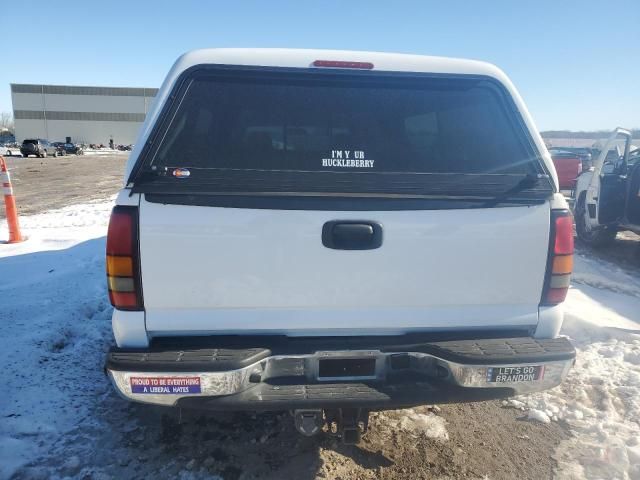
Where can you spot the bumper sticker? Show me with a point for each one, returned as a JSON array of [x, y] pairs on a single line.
[[165, 385]]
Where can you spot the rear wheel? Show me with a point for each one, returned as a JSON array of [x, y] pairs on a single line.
[[25, 155], [594, 237]]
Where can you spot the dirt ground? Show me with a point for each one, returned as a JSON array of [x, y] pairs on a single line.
[[124, 440], [484, 440], [625, 251], [47, 183]]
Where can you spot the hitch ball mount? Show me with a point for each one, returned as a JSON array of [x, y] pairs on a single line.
[[349, 424]]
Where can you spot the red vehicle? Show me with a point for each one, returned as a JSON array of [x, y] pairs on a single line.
[[568, 165]]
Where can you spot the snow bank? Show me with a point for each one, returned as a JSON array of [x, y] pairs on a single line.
[[429, 425], [600, 400], [55, 322], [105, 151], [59, 229], [538, 416], [417, 422]]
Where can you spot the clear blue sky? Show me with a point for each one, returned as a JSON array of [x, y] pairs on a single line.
[[576, 63]]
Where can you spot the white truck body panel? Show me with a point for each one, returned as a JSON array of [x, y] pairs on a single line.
[[208, 269]]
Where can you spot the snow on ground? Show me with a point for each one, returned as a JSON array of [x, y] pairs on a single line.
[[55, 329], [429, 425], [600, 400], [105, 151], [55, 314]]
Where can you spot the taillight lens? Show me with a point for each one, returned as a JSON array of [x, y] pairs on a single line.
[[560, 258], [123, 266]]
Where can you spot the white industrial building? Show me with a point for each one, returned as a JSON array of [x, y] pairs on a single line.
[[83, 114]]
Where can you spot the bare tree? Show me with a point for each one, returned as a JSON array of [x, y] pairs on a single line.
[[6, 121]]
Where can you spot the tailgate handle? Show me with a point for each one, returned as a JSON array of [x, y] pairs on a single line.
[[352, 235]]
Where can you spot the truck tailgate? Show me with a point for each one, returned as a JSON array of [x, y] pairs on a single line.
[[212, 270]]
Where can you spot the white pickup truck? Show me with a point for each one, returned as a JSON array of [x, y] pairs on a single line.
[[334, 232]]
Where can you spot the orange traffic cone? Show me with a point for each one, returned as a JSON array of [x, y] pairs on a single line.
[[10, 204]]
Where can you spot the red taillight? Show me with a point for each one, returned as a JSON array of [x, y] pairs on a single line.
[[123, 266], [120, 236], [560, 258], [563, 244], [341, 64]]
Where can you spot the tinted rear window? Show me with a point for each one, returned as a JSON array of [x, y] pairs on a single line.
[[428, 128], [31, 141], [307, 132]]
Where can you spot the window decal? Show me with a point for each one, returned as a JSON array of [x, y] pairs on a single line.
[[347, 159]]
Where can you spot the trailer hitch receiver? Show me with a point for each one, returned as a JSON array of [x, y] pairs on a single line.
[[348, 423], [308, 422]]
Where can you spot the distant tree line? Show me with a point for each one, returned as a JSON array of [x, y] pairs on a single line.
[[6, 122], [570, 134]]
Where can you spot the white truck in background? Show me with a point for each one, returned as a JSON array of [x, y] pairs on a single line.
[[335, 232], [608, 194]]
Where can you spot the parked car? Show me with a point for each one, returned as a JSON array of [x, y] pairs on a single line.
[[568, 167], [8, 151], [59, 146], [73, 148], [391, 236], [38, 147], [608, 196]]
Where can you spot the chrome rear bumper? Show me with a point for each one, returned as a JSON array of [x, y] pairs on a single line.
[[392, 378]]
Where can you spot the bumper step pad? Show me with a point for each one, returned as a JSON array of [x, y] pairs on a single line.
[[201, 359], [504, 350], [471, 352]]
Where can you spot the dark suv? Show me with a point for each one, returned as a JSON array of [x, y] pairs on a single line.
[[73, 148], [38, 147]]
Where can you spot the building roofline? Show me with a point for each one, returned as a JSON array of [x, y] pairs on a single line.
[[83, 90]]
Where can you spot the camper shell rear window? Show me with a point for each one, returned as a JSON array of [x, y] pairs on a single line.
[[313, 132]]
